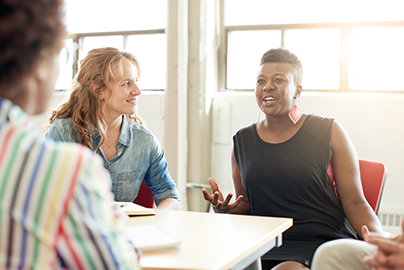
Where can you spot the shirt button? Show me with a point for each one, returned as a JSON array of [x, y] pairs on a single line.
[[106, 167]]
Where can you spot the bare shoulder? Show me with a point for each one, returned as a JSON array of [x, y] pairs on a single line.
[[338, 133], [342, 148]]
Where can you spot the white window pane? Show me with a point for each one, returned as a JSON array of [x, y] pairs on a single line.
[[319, 52], [244, 52], [86, 16], [377, 57], [90, 43], [64, 80], [310, 11], [151, 50]]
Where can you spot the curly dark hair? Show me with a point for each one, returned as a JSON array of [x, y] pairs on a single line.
[[28, 28], [282, 55]]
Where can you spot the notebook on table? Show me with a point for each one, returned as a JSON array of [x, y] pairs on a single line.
[[151, 238], [132, 209]]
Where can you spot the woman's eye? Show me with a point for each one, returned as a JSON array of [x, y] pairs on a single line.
[[279, 80], [260, 81], [126, 84]]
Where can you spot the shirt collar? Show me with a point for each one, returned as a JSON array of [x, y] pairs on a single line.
[[124, 134], [13, 113]]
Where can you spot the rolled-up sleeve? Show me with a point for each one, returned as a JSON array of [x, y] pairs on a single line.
[[158, 178]]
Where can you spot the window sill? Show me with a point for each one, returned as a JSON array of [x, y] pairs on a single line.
[[322, 94]]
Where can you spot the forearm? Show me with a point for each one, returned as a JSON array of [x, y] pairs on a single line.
[[361, 214], [169, 204]]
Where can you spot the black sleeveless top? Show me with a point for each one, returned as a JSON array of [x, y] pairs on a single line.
[[290, 179]]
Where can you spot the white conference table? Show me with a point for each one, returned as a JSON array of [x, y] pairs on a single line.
[[212, 241]]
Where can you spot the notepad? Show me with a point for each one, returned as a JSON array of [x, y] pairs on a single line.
[[151, 238], [132, 209]]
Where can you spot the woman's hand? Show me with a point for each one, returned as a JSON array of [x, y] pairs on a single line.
[[219, 204], [169, 204], [366, 234], [389, 253]]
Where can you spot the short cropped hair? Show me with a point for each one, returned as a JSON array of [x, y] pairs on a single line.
[[28, 28], [282, 55]]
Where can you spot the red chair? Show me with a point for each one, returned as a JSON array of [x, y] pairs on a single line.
[[373, 177], [145, 196]]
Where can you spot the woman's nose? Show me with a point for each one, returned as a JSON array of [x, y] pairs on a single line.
[[136, 90], [268, 87]]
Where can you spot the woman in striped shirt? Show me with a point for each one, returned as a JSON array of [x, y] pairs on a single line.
[[55, 203]]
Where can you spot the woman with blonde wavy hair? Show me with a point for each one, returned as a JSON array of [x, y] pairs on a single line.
[[101, 114]]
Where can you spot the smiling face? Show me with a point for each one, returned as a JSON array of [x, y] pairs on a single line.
[[275, 89], [123, 95]]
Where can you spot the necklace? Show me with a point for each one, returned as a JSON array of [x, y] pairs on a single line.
[[114, 142]]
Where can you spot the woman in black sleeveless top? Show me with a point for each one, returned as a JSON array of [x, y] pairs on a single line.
[[280, 167]]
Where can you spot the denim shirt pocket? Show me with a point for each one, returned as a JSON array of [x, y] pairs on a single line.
[[128, 185]]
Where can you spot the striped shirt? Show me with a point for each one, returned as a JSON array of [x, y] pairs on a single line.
[[55, 203]]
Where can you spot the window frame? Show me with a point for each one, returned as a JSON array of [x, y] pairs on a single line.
[[346, 30], [79, 37]]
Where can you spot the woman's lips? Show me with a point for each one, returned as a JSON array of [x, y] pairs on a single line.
[[132, 101], [269, 100]]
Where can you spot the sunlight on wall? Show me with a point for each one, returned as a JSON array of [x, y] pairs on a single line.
[[85, 16], [377, 58], [311, 11]]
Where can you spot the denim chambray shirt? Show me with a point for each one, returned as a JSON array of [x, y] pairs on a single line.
[[139, 157]]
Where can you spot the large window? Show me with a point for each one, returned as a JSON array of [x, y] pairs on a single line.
[[136, 26], [346, 45]]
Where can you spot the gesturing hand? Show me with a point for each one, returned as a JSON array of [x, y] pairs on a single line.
[[389, 254], [219, 204]]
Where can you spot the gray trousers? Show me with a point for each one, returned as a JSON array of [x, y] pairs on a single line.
[[342, 254]]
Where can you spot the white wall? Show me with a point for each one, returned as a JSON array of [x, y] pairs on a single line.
[[374, 122]]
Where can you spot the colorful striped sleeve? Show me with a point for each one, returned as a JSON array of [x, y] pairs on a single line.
[[92, 234], [55, 203]]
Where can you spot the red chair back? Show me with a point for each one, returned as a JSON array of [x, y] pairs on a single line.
[[145, 196], [373, 176]]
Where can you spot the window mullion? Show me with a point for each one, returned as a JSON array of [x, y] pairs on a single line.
[[76, 55], [346, 34], [283, 37], [125, 42], [222, 59]]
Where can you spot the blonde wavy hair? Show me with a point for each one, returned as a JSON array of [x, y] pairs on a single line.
[[99, 68]]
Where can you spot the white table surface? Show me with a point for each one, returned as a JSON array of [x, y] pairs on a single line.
[[212, 241]]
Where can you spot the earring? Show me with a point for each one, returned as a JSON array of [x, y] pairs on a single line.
[[295, 114]]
